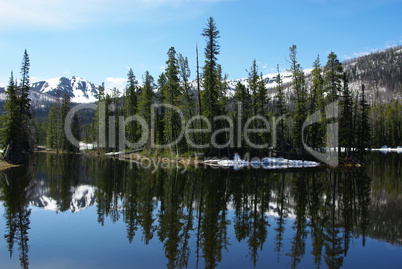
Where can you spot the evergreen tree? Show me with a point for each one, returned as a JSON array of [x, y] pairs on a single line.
[[262, 97], [262, 107], [52, 128], [363, 128], [55, 136], [253, 78], [160, 131], [333, 74], [22, 144], [280, 109], [316, 102], [144, 105], [187, 100], [211, 97], [243, 98], [76, 131], [346, 131], [298, 83], [10, 127], [131, 105], [100, 125], [172, 122]]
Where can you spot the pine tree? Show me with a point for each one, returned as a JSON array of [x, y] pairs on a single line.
[[363, 128], [298, 83], [262, 106], [22, 144], [131, 105], [316, 102], [211, 95], [243, 99], [144, 105], [280, 109], [52, 128], [333, 74], [187, 104], [76, 131], [10, 128], [346, 133], [24, 132], [253, 78], [160, 131], [172, 123], [101, 122], [262, 97]]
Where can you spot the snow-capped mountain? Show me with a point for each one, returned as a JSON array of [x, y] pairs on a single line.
[[79, 89], [82, 197]]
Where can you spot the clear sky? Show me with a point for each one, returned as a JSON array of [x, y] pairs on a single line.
[[99, 40]]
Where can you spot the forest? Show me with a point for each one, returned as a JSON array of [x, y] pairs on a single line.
[[367, 91]]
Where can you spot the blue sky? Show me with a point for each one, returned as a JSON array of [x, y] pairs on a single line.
[[100, 39]]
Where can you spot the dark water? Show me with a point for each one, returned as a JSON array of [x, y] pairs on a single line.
[[82, 212]]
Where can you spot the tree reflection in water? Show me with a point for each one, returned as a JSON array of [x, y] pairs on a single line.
[[193, 212], [17, 188], [327, 205]]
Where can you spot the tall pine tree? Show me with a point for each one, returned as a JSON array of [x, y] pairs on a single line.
[[144, 107], [131, 105], [299, 87], [21, 145], [10, 128], [171, 96], [212, 95]]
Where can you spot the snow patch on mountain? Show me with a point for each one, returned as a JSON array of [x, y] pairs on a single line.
[[79, 89]]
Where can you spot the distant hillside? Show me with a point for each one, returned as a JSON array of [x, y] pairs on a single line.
[[381, 72]]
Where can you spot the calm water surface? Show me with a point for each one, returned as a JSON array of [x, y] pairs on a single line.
[[84, 212]]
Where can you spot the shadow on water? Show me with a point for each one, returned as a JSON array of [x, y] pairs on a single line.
[[198, 214]]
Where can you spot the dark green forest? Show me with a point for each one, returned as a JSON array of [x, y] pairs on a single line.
[[367, 91]]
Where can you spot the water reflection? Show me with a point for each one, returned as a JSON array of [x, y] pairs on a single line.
[[198, 214], [16, 193]]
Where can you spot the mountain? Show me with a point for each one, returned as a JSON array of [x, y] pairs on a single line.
[[79, 89], [43, 94]]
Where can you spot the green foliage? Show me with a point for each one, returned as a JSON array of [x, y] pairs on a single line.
[[144, 104], [212, 94], [18, 128], [55, 136], [131, 99], [171, 96], [300, 100], [333, 74], [316, 131], [10, 118]]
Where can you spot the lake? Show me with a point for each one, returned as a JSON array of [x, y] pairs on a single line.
[[72, 211]]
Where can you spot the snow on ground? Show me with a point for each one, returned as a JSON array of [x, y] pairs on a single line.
[[386, 149]]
